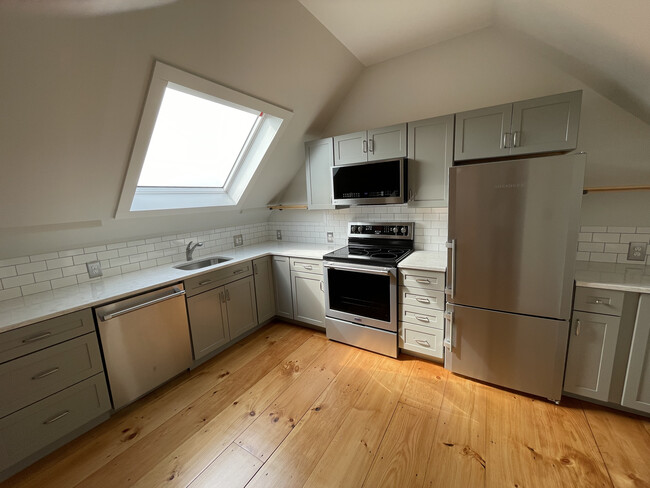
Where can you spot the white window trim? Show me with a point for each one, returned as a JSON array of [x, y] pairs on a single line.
[[135, 202]]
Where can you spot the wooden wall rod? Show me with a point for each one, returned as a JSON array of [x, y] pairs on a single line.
[[287, 207], [614, 188]]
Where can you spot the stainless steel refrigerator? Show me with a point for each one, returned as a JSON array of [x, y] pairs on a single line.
[[513, 230]]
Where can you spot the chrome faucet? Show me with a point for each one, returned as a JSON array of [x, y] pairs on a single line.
[[189, 250]]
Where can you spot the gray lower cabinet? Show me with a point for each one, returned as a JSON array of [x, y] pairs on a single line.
[[220, 315], [319, 159], [590, 359], [421, 312], [636, 392], [308, 298], [540, 125], [282, 282], [430, 153], [54, 373], [264, 288]]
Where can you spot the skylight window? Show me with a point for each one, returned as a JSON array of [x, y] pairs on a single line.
[[196, 141], [199, 145]]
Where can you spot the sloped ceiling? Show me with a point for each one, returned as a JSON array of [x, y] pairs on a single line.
[[605, 44]]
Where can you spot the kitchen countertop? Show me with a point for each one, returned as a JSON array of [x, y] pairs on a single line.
[[611, 276], [425, 260], [26, 310]]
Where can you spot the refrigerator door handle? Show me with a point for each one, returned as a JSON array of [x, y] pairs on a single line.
[[449, 329], [451, 272]]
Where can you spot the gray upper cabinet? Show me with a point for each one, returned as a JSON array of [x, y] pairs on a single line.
[[541, 125], [282, 282], [319, 158], [590, 360], [372, 145], [636, 392], [430, 153], [264, 288]]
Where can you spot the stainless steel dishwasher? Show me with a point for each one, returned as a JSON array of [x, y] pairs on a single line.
[[145, 340]]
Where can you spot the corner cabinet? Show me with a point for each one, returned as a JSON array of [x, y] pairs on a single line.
[[264, 288], [636, 391], [430, 153], [319, 158], [540, 125], [371, 145]]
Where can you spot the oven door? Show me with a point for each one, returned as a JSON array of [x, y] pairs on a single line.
[[361, 294]]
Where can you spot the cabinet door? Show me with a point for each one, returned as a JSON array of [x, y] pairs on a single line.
[[240, 306], [207, 321], [480, 133], [387, 142], [319, 160], [308, 298], [264, 289], [590, 360], [547, 124], [430, 153], [282, 281], [636, 392], [351, 148]]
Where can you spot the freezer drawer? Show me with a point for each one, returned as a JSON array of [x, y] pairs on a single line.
[[514, 351]]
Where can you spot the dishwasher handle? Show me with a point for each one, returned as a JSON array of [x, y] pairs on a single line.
[[112, 315]]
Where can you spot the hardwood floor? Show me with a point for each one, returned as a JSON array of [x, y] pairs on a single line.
[[288, 408]]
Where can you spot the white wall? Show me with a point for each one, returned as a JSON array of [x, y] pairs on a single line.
[[491, 67], [72, 94]]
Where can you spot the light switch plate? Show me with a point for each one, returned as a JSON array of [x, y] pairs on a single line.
[[94, 269], [637, 251], [238, 240]]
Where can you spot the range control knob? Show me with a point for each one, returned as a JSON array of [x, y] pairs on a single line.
[[403, 230]]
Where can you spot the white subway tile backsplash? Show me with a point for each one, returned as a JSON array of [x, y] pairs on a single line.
[[104, 255], [129, 268], [85, 258], [74, 270], [117, 245], [643, 230], [70, 252], [616, 248], [605, 237], [621, 230], [13, 261], [17, 281], [48, 275], [61, 282], [44, 257], [22, 269], [89, 250], [59, 263], [117, 262], [591, 246], [601, 257], [127, 251], [36, 288], [7, 271], [592, 228], [10, 293]]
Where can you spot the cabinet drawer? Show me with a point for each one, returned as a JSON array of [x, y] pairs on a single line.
[[422, 297], [25, 340], [307, 265], [595, 300], [415, 278], [32, 428], [218, 277], [424, 317], [38, 375], [421, 340]]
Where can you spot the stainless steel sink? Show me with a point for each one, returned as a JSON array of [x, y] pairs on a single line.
[[202, 263]]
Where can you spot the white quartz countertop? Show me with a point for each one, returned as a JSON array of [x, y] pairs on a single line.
[[425, 260], [610, 276], [26, 310]]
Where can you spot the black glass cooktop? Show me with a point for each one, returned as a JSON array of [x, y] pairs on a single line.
[[368, 254]]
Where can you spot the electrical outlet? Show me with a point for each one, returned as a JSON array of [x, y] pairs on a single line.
[[238, 240], [94, 269], [278, 235], [636, 251], [330, 237]]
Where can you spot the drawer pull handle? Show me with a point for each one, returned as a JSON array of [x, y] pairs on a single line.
[[423, 300], [422, 318], [424, 281], [601, 301], [423, 343], [237, 271], [45, 373], [201, 283], [307, 266], [37, 338], [57, 417], [578, 324]]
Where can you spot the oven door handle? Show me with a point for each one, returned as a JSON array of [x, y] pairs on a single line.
[[369, 270]]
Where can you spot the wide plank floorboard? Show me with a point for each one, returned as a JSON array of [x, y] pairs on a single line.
[[287, 408]]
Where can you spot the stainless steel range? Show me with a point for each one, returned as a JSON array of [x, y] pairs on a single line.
[[361, 285]]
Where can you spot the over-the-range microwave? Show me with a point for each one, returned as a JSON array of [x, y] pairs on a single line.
[[373, 183]]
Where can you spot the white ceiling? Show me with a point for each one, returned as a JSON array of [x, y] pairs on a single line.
[[605, 44]]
